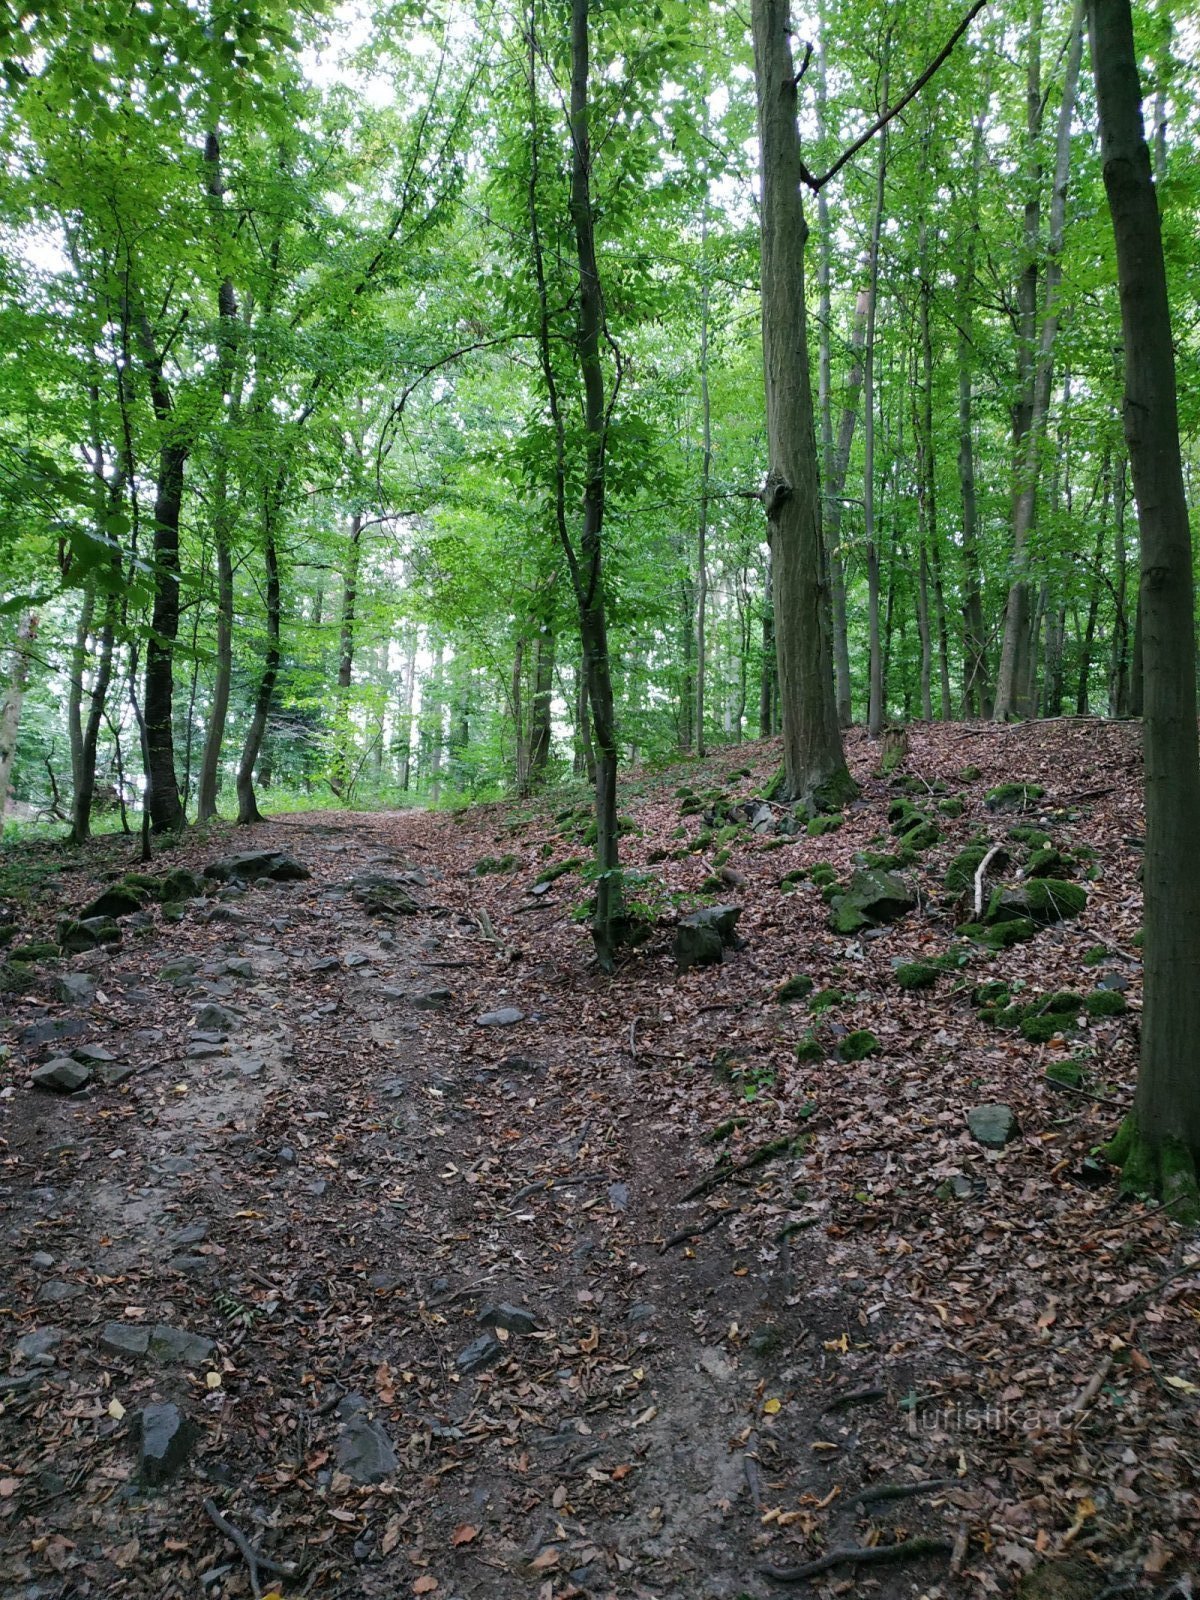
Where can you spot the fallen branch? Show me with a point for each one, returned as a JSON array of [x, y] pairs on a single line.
[[750, 1468], [899, 1491], [723, 1172], [860, 1556], [1093, 1388], [255, 1561], [979, 875], [685, 1234], [854, 1397]]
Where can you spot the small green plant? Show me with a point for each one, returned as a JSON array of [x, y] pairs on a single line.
[[857, 1046], [1105, 1003]]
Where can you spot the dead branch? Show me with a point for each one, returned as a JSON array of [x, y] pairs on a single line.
[[254, 1560], [694, 1232], [979, 876], [860, 1556], [899, 1491]]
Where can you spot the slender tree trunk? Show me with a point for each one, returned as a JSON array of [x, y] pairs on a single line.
[[14, 698], [976, 693], [404, 713], [343, 734], [767, 671], [927, 473], [540, 730], [876, 710], [248, 811], [1118, 671], [79, 655], [1088, 642], [705, 487], [520, 730], [1035, 406], [814, 761], [1160, 1143]]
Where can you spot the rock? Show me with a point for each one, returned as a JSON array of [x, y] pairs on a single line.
[[91, 1053], [480, 1354], [203, 1051], [124, 1339], [56, 1292], [798, 987], [178, 885], [110, 1073], [1013, 796], [618, 1196], [177, 1344], [53, 1028], [215, 1018], [62, 1075], [239, 967], [194, 1233], [385, 896], [641, 1311], [993, 1126], [42, 1260], [189, 1265], [1115, 982], [702, 937], [37, 1346], [364, 1451], [121, 900], [287, 1155], [505, 1017], [181, 967], [762, 819], [165, 1437], [251, 865], [1040, 900], [513, 1319], [357, 958], [872, 899], [87, 933], [432, 1000], [325, 964], [75, 988]]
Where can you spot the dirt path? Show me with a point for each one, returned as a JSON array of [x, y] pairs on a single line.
[[415, 1275]]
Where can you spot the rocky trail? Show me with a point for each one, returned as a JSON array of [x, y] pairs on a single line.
[[361, 1239]]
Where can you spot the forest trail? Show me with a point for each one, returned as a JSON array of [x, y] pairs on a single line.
[[391, 1207]]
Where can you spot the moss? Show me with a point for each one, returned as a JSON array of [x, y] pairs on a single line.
[[826, 999], [1047, 863], [807, 1049], [994, 992], [903, 814], [1012, 796], [777, 785], [712, 885], [917, 975], [691, 808], [1063, 1003], [969, 775], [951, 807], [790, 879], [857, 1046], [1041, 1027], [1053, 899], [887, 861], [1166, 1170], [1105, 1003], [1022, 833], [1068, 1072], [835, 793], [1010, 1016], [822, 873], [684, 792], [488, 864], [653, 857], [1001, 934], [571, 864], [15, 980], [1139, 939], [40, 950], [825, 824], [1096, 956], [960, 874], [845, 917], [702, 840], [721, 858], [797, 987], [923, 837]]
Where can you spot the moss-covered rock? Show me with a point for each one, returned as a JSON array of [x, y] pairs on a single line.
[[790, 879], [970, 775], [1045, 863], [562, 868], [826, 1000], [994, 992], [488, 864], [1040, 900], [951, 806], [871, 899], [120, 900], [1069, 1072], [822, 873], [886, 860], [960, 874], [798, 987], [1025, 833], [917, 974], [37, 950], [808, 1048], [1105, 1003], [824, 824], [1041, 1027], [857, 1046], [1013, 796], [1001, 934]]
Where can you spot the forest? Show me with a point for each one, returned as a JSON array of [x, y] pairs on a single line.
[[656, 535]]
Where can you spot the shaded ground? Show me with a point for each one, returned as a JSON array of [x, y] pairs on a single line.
[[335, 1191]]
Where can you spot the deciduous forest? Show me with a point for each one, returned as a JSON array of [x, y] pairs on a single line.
[[599, 932]]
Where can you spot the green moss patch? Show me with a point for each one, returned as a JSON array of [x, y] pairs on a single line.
[[1105, 1003], [797, 987], [857, 1046]]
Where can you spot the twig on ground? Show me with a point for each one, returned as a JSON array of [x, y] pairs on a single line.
[[723, 1172], [854, 1397], [860, 1556], [1094, 1385], [750, 1468], [682, 1235], [879, 1492], [979, 876], [253, 1559]]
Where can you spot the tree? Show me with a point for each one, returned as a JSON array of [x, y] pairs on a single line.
[[1159, 1144]]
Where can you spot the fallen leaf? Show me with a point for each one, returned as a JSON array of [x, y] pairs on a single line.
[[464, 1533]]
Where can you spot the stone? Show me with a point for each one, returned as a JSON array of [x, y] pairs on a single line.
[[618, 1196], [432, 1000], [325, 964], [42, 1260], [364, 1451], [1013, 796], [513, 1319], [873, 898], [121, 900], [164, 1439], [56, 1292], [1113, 982], [178, 885], [215, 1018], [385, 896], [479, 1354], [993, 1126], [75, 988], [505, 1017], [703, 936], [91, 1053], [77, 934], [194, 1233], [62, 1075], [203, 1051], [1041, 900], [250, 865], [111, 1073], [177, 1344], [49, 1031], [239, 967], [124, 1339], [287, 1155], [37, 1346], [189, 1265], [181, 967]]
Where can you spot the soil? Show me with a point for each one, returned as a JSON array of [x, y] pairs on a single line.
[[335, 1185]]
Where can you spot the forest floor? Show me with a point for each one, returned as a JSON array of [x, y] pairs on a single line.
[[288, 1216]]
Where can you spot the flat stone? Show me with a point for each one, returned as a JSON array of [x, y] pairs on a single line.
[[189, 1266], [479, 1354], [204, 1052], [111, 1073], [364, 1451], [37, 1346], [91, 1053], [177, 1344], [75, 989], [124, 1339], [325, 964], [433, 1000], [62, 1075], [57, 1292], [1115, 982], [993, 1126], [42, 1260], [513, 1319], [252, 864], [239, 967], [49, 1031], [505, 1017], [194, 1233], [618, 1196], [215, 1018], [165, 1437]]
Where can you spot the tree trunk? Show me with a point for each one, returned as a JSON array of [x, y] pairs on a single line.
[[14, 697], [339, 777], [875, 706], [79, 654], [1118, 670], [1034, 407], [767, 680], [705, 483], [248, 811], [540, 729], [977, 700], [814, 761], [1160, 1143]]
